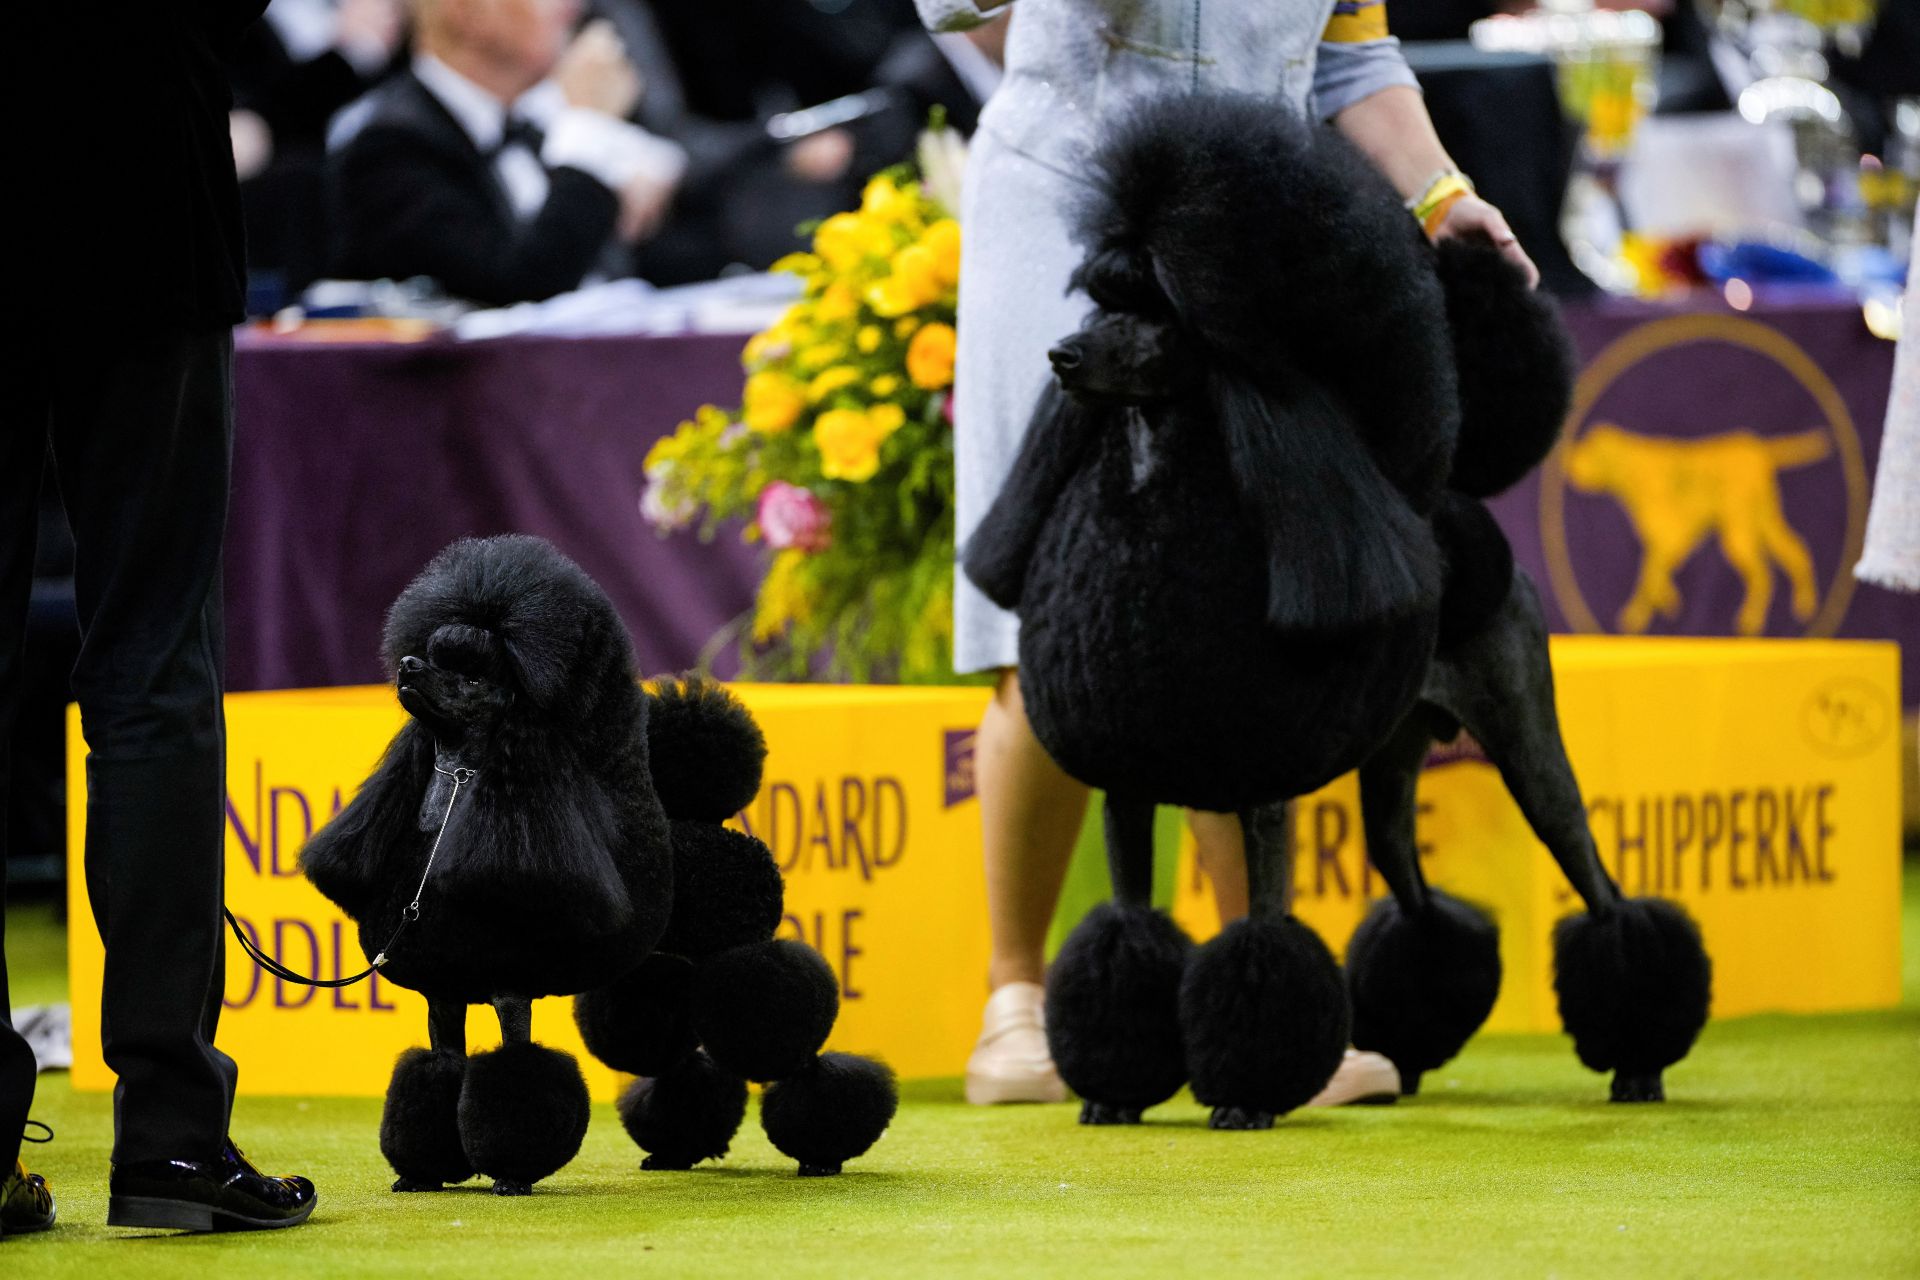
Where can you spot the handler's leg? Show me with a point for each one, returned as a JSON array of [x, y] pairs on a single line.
[[1030, 815], [23, 444], [141, 436]]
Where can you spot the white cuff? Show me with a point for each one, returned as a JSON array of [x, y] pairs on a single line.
[[609, 150]]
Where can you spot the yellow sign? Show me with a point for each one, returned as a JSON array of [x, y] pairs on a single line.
[[867, 805], [1755, 781]]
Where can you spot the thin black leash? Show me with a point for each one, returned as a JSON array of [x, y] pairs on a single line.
[[461, 777]]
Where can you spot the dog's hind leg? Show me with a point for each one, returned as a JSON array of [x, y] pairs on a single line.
[[523, 1107], [1113, 995], [419, 1123], [1632, 977], [1423, 968], [1263, 1011], [684, 1114], [763, 1011]]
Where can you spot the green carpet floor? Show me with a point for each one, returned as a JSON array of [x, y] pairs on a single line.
[[1791, 1148]]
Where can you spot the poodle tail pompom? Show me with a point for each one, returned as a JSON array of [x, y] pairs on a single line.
[[1516, 367], [1422, 984], [831, 1112], [706, 750], [684, 1115], [1634, 987]]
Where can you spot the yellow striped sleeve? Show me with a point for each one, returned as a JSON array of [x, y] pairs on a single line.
[[1355, 21]]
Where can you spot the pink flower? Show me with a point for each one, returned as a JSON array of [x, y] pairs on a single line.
[[790, 516], [946, 407]]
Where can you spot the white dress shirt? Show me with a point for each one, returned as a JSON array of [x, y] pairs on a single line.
[[614, 152]]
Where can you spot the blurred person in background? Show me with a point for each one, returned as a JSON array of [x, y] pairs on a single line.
[[290, 74], [132, 209], [742, 62], [500, 162]]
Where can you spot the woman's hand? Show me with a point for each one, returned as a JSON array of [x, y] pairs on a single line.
[[1472, 214]]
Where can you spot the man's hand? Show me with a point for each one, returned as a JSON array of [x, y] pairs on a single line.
[[643, 207], [252, 142], [594, 72], [1470, 214]]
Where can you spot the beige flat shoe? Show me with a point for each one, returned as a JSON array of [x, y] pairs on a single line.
[[1011, 1062], [1362, 1077]]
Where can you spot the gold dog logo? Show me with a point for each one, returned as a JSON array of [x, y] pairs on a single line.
[[1679, 494]]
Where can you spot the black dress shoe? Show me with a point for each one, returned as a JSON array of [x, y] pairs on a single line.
[[227, 1194]]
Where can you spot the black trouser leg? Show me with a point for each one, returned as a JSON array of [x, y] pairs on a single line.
[[142, 436], [23, 446]]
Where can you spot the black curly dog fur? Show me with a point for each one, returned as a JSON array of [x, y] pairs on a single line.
[[1245, 542], [582, 852]]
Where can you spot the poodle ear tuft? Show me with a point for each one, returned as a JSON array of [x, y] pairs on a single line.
[[1345, 550]]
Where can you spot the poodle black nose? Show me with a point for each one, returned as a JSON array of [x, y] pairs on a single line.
[[411, 666], [1067, 355]]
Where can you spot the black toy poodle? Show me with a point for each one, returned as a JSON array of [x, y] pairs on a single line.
[[1244, 539], [544, 825]]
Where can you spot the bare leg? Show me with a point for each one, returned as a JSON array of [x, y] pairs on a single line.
[[1221, 851], [1030, 816]]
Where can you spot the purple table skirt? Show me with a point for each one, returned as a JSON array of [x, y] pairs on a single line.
[[355, 463]]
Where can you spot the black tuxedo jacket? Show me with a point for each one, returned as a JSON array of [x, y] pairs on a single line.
[[410, 195], [124, 157]]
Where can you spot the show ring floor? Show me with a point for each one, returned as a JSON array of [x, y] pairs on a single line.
[[1791, 1148]]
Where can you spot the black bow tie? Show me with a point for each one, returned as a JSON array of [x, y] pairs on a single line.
[[520, 131]]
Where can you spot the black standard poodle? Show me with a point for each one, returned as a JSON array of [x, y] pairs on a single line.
[[1245, 542], [544, 825]]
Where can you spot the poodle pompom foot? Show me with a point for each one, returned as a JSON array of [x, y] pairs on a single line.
[[820, 1170], [414, 1184], [1265, 1016], [667, 1164], [1641, 1086], [419, 1124], [1113, 1007], [523, 1113], [830, 1113], [508, 1187], [764, 1010], [684, 1115], [1634, 986], [1422, 984], [1092, 1112], [641, 1023], [1239, 1118]]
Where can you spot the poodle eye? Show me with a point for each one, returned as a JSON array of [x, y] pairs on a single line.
[[470, 682]]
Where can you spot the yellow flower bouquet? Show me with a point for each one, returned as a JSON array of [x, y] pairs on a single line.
[[840, 456]]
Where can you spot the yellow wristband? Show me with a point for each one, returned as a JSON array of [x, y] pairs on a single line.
[[1440, 195]]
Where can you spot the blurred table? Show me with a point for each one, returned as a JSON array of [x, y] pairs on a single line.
[[355, 463]]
